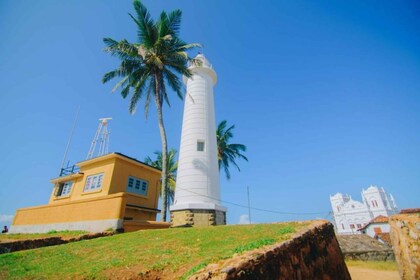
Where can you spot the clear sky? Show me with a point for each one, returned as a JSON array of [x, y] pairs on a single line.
[[325, 94]]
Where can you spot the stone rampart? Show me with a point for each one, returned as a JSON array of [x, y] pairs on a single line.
[[365, 248], [19, 245], [405, 237], [312, 254]]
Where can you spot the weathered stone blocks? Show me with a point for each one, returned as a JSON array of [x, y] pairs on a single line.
[[198, 217], [312, 254], [405, 240]]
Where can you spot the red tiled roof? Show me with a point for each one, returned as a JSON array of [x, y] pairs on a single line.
[[377, 220], [410, 210], [385, 237]]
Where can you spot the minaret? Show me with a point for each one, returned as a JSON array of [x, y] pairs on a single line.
[[197, 193]]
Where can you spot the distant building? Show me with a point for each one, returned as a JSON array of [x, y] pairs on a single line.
[[112, 191], [377, 228], [351, 215]]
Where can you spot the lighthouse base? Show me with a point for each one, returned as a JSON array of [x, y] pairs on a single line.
[[198, 217]]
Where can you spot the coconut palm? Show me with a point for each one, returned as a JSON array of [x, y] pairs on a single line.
[[171, 168], [150, 66], [228, 153]]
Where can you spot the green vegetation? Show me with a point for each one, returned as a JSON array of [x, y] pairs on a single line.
[[151, 66], [179, 252], [66, 234], [254, 245], [227, 152], [171, 168], [378, 265]]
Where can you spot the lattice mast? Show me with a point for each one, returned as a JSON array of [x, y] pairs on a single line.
[[101, 137]]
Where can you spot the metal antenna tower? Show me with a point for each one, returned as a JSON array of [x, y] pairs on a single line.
[[101, 136]]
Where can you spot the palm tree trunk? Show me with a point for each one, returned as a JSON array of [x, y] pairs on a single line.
[[164, 149]]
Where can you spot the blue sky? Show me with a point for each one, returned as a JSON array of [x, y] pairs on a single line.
[[325, 94]]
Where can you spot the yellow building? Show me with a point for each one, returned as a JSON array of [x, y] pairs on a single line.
[[109, 192]]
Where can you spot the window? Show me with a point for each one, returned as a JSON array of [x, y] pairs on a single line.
[[359, 225], [93, 182], [352, 226], [64, 189], [342, 225], [200, 145], [137, 186]]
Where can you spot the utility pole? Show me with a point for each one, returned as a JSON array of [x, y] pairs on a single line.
[[249, 206]]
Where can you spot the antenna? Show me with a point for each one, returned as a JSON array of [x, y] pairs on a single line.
[[101, 136], [69, 141]]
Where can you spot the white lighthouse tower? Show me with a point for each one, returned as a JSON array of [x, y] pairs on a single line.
[[197, 194]]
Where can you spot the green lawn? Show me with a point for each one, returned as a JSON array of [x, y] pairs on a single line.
[[178, 251]]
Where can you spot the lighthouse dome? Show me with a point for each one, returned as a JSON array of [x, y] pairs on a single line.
[[203, 67], [204, 61]]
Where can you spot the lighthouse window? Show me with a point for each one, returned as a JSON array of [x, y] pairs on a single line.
[[137, 186], [200, 146]]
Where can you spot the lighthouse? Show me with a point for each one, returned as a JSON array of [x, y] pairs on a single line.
[[197, 193]]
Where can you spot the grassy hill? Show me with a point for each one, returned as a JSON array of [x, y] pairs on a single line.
[[172, 253]]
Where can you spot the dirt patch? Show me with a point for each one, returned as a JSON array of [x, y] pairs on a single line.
[[358, 273], [138, 272]]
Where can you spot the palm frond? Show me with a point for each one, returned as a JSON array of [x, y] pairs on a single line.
[[173, 82], [174, 21], [144, 23], [227, 152], [121, 49], [123, 82]]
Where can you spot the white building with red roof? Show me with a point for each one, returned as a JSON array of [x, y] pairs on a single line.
[[376, 227], [351, 215]]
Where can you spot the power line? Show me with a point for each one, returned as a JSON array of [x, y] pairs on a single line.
[[254, 208]]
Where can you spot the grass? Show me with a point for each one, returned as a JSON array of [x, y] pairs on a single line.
[[179, 251], [53, 233], [377, 265]]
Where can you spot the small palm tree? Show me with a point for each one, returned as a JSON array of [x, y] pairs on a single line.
[[171, 168], [150, 66], [228, 153]]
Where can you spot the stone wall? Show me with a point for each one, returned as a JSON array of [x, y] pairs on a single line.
[[365, 248], [198, 217], [405, 235], [312, 254], [19, 245]]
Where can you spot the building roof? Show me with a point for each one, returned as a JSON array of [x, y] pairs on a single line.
[[385, 237], [113, 154], [377, 220], [410, 210]]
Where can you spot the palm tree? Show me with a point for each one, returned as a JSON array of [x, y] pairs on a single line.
[[151, 65], [171, 168], [227, 153]]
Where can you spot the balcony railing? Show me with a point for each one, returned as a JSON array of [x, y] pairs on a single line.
[[69, 170]]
